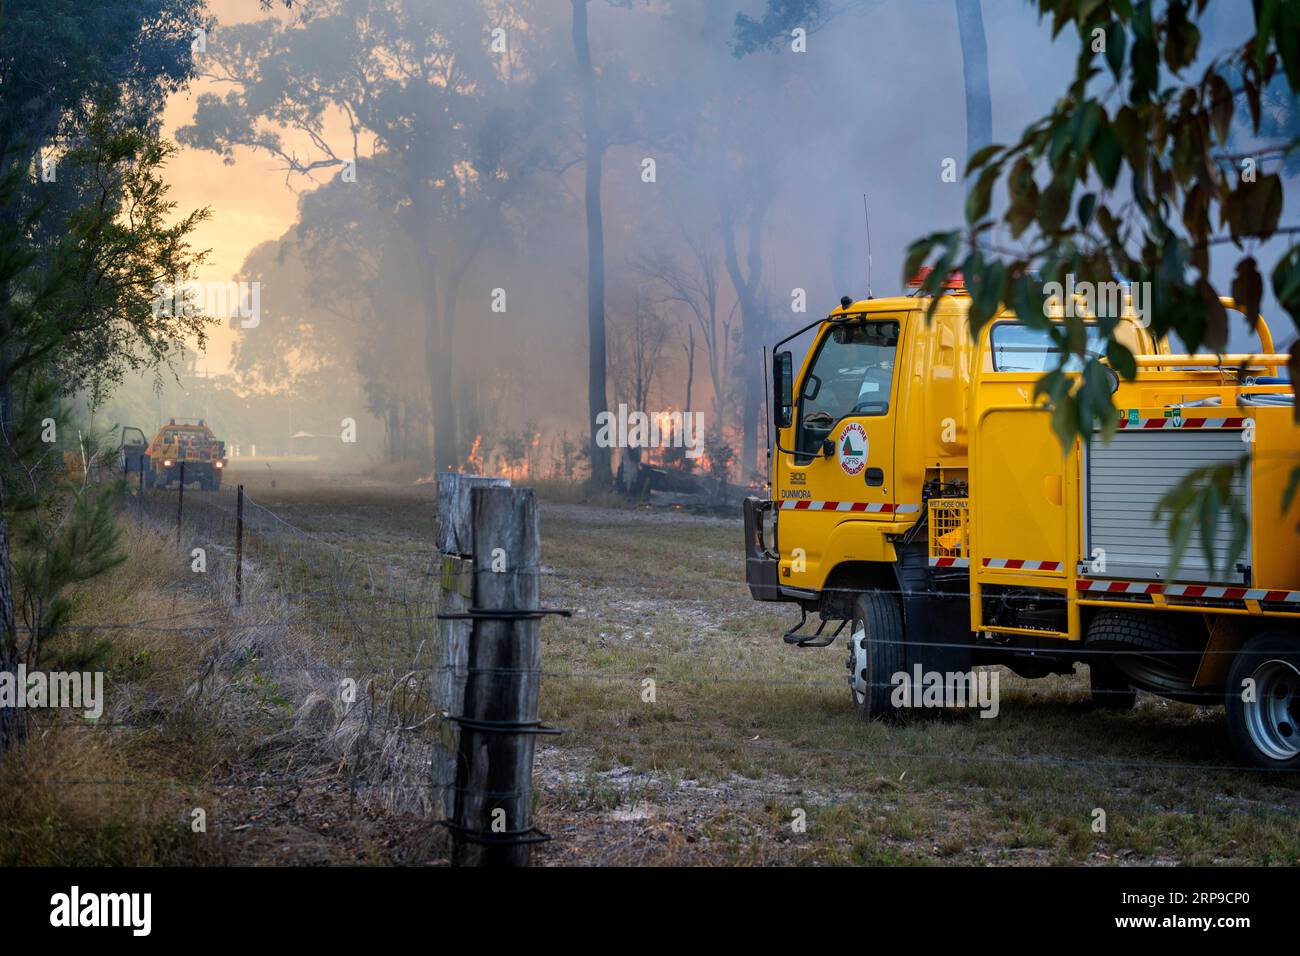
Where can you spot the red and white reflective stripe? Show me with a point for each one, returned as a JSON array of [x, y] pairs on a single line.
[[1191, 591], [1012, 564], [790, 504], [950, 562], [1171, 422], [1118, 587]]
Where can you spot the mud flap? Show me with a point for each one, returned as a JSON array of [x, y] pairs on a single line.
[[936, 615]]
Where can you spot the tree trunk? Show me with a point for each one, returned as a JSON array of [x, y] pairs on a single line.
[[13, 728], [975, 73], [449, 447], [438, 363], [597, 397], [753, 402], [690, 367], [394, 424], [747, 282]]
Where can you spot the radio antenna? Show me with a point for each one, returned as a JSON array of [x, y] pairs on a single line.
[[867, 217]]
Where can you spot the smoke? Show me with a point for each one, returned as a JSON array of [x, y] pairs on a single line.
[[873, 104]]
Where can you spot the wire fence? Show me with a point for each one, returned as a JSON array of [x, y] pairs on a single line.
[[329, 641]]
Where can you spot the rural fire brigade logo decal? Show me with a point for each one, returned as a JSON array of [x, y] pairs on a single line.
[[853, 449]]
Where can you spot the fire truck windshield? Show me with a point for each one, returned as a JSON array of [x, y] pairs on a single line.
[[851, 375]]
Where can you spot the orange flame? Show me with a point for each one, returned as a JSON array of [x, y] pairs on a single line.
[[474, 460]]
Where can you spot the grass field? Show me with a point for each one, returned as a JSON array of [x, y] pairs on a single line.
[[750, 751], [745, 730]]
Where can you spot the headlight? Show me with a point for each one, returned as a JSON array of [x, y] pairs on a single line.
[[167, 462], [221, 464]]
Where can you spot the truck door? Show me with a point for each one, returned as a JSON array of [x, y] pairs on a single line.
[[842, 469]]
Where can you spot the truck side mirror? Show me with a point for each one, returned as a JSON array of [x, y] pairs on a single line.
[[783, 389]]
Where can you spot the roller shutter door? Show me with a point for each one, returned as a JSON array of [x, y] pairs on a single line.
[[1125, 480]]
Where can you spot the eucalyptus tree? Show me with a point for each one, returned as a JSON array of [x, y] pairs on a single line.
[[440, 91]]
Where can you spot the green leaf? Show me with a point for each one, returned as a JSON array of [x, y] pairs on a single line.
[[1053, 206], [1207, 517], [1121, 359], [1145, 59], [1083, 211], [1088, 119], [977, 201], [1220, 106], [1286, 286], [1132, 134], [1107, 155], [981, 156], [1116, 41], [917, 253], [1253, 209], [986, 296], [1248, 289], [1292, 484], [1196, 502], [1287, 37], [1265, 20], [1216, 317], [1029, 302]]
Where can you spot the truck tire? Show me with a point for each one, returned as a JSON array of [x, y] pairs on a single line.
[[876, 654], [1265, 730], [1110, 688], [1151, 654]]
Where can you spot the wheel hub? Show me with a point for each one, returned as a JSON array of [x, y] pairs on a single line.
[[857, 662], [1273, 717]]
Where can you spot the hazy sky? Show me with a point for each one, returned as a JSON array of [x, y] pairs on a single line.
[[249, 200], [894, 98]]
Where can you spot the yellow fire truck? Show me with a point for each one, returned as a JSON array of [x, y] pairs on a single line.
[[921, 499], [185, 450]]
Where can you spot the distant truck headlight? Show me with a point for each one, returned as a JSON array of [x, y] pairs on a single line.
[[221, 464], [167, 462]]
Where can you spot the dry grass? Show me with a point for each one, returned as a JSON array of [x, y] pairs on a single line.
[[75, 793], [744, 731], [236, 711], [744, 737]]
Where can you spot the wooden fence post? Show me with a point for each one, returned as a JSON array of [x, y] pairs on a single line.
[[239, 546], [494, 770], [456, 593]]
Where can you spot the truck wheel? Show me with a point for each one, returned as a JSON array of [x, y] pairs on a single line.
[[875, 654], [1149, 649], [1110, 688], [1265, 730]]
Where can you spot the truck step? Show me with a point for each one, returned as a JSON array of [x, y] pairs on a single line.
[[815, 639]]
